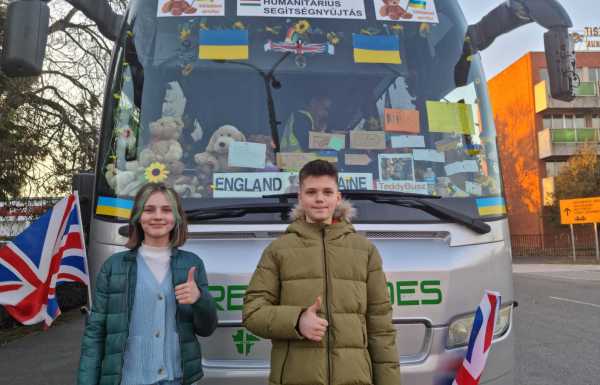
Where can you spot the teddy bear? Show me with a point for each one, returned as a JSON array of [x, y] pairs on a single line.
[[206, 166], [164, 144], [218, 146], [394, 11], [178, 7], [167, 127]]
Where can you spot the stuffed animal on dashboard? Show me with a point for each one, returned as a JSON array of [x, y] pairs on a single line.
[[218, 147]]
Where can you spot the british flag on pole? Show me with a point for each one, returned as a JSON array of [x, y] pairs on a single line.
[[480, 340], [49, 252]]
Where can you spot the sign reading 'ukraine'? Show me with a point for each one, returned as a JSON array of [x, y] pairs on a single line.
[[227, 44], [382, 49]]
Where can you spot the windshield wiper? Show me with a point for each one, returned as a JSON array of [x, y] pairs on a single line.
[[236, 211], [229, 211], [362, 195], [416, 201]]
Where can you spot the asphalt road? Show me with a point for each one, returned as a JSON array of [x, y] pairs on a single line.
[[557, 325], [557, 329]]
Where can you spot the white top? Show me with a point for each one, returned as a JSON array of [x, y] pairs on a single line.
[[157, 259]]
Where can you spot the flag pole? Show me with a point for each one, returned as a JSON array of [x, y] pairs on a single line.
[[89, 289]]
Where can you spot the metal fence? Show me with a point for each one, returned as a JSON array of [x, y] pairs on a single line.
[[554, 245]]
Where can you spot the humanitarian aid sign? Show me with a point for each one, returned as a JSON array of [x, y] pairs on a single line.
[[329, 9]]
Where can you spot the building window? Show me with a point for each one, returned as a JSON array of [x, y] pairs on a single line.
[[594, 74], [579, 121], [595, 121], [547, 121], [544, 75], [554, 168], [571, 128]]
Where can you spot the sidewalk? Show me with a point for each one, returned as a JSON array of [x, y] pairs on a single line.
[[564, 260], [44, 357]]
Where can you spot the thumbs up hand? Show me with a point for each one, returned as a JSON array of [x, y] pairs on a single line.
[[312, 326], [188, 293]]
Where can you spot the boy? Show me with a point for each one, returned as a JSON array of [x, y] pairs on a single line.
[[319, 293]]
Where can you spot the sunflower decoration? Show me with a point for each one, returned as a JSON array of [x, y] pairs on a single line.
[[302, 27], [184, 33], [239, 25], [424, 29], [333, 38], [397, 28], [156, 172]]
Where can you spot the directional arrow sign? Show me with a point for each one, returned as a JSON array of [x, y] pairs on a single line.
[[578, 211]]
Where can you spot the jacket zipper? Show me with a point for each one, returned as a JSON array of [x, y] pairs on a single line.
[[177, 322], [327, 309], [127, 294], [287, 352]]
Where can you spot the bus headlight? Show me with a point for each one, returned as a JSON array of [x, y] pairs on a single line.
[[460, 329]]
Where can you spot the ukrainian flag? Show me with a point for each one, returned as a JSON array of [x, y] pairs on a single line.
[[491, 206], [376, 49], [114, 207], [227, 44], [417, 4]]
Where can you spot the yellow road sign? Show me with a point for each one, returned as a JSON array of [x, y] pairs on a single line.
[[578, 211]]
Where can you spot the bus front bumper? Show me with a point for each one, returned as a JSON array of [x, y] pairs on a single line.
[[438, 368]]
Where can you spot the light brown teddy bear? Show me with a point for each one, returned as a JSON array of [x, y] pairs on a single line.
[[177, 7], [164, 144], [206, 166], [394, 11], [218, 146]]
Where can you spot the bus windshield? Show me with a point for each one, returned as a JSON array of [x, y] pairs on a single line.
[[226, 100]]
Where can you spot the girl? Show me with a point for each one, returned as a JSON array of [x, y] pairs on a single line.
[[150, 302]]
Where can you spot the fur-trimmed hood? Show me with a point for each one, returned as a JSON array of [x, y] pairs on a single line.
[[343, 212]]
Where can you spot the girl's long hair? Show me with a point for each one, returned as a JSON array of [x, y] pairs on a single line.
[[136, 233]]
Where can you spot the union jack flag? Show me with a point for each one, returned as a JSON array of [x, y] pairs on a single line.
[[299, 47], [480, 340], [49, 252]]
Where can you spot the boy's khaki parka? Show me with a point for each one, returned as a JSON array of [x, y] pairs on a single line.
[[345, 269]]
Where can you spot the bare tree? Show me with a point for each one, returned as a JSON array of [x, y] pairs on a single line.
[[53, 121]]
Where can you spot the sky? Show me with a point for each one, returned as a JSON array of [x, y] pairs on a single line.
[[508, 48]]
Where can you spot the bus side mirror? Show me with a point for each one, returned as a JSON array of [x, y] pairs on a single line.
[[25, 37], [560, 58]]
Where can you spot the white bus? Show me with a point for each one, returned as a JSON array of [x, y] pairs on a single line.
[[226, 100]]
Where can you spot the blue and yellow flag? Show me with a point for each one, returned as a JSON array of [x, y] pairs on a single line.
[[114, 207], [228, 44], [417, 4], [491, 206], [381, 49]]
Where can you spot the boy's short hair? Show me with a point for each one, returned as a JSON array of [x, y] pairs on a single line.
[[318, 167]]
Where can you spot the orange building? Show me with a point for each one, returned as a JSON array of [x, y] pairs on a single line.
[[537, 134]]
